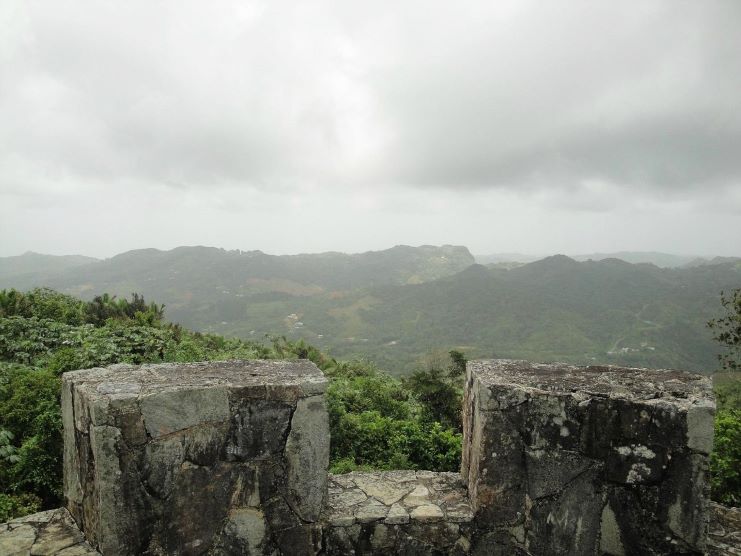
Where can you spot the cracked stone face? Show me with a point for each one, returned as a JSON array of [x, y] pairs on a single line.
[[192, 458], [559, 458]]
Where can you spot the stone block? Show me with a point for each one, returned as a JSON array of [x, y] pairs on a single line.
[[587, 460], [197, 458]]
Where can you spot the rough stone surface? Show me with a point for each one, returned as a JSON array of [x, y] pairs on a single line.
[[45, 533], [724, 535], [397, 512], [231, 458], [587, 460], [200, 458]]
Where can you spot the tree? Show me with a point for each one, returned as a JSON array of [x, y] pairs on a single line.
[[725, 461], [439, 388], [727, 331]]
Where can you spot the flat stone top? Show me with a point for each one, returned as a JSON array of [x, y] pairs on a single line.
[[397, 498], [601, 381], [123, 381], [50, 532]]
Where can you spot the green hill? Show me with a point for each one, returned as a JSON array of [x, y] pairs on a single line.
[[397, 305]]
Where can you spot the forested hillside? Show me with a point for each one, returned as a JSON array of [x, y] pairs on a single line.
[[397, 305], [376, 421]]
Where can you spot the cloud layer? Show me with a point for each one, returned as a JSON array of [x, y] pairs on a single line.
[[585, 107]]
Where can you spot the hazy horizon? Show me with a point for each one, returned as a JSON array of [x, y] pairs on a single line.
[[514, 126], [527, 256]]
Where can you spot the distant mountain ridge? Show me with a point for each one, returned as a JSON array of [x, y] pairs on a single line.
[[33, 265], [160, 273], [663, 260], [394, 306]]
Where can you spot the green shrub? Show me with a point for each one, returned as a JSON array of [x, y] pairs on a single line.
[[376, 421], [725, 461], [13, 506]]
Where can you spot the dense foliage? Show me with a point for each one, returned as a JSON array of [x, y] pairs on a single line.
[[726, 458], [376, 421], [725, 461], [393, 306], [727, 331]]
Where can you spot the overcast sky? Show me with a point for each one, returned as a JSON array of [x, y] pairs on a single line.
[[537, 127]]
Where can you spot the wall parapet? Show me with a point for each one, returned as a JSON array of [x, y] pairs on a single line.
[[232, 458], [226, 457], [588, 460]]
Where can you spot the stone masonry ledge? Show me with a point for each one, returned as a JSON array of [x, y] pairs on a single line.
[[260, 379], [395, 512], [589, 460], [724, 535], [680, 388], [53, 532], [217, 457], [396, 498]]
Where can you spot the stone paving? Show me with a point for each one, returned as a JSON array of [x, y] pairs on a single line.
[[53, 532]]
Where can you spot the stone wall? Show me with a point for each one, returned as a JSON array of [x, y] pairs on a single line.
[[587, 460], [198, 458], [232, 458]]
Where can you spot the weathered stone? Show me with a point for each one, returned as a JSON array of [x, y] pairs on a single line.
[[18, 540], [724, 535], [186, 458], [549, 472], [120, 494], [427, 512], [556, 459], [569, 523], [45, 533], [382, 537], [546, 445], [307, 455], [386, 492], [397, 515], [610, 539], [700, 421], [259, 429], [248, 529], [372, 510], [169, 411], [417, 497], [439, 522]]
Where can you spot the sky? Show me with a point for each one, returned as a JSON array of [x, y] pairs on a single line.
[[508, 126]]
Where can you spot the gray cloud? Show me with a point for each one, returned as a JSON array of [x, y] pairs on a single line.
[[584, 100]]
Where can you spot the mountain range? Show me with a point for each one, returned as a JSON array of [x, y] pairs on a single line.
[[398, 305]]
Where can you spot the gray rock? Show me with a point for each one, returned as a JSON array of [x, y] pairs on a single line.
[[169, 411], [191, 458], [546, 446], [427, 512], [231, 458], [42, 534], [397, 515], [307, 457], [372, 510]]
